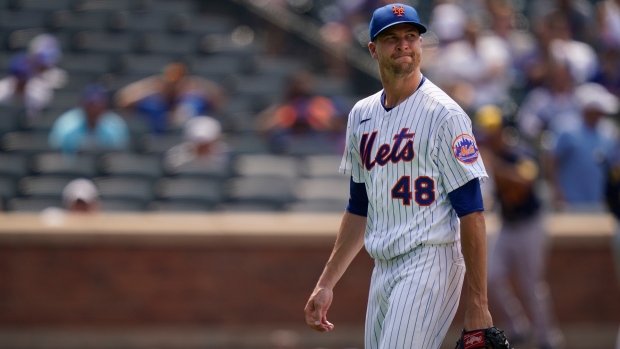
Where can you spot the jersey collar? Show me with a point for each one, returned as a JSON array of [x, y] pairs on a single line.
[[383, 94]]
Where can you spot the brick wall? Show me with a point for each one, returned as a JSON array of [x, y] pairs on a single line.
[[133, 282]]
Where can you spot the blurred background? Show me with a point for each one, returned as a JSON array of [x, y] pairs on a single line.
[[168, 168]]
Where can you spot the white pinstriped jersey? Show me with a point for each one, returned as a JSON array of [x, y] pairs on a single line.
[[410, 158]]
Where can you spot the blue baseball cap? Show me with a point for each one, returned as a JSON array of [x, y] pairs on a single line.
[[391, 14]]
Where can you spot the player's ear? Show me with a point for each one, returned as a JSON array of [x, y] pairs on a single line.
[[373, 49]]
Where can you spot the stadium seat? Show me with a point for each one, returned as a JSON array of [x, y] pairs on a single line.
[[164, 43], [103, 42], [270, 191], [26, 142], [272, 165], [198, 169], [145, 22], [208, 24], [45, 122], [313, 144], [137, 190], [48, 187], [199, 190], [323, 189], [77, 81], [247, 144], [40, 5], [250, 207], [10, 118], [13, 165], [332, 86], [56, 163], [20, 39], [179, 206], [216, 66], [318, 206], [32, 204], [165, 6], [12, 20], [77, 21], [8, 189], [131, 165], [102, 5], [158, 144], [321, 166], [65, 99], [112, 205], [89, 63], [148, 64]]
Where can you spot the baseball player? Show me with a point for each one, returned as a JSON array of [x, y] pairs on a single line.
[[521, 245], [415, 201]]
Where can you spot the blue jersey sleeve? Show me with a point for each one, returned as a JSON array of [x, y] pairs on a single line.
[[467, 198], [358, 199]]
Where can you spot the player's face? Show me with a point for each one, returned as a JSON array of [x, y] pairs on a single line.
[[398, 49]]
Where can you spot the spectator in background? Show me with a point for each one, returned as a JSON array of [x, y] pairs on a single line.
[[81, 196], [45, 53], [608, 73], [612, 197], [608, 13], [549, 107], [577, 174], [475, 70], [170, 99], [21, 87], [301, 118], [520, 246], [202, 150], [521, 43], [90, 126]]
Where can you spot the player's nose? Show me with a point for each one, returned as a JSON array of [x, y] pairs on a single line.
[[402, 44]]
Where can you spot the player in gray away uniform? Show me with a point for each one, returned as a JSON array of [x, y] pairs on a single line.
[[415, 201], [521, 245]]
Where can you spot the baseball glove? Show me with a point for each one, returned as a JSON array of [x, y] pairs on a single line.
[[487, 338]]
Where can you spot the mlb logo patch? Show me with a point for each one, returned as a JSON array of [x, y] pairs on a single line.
[[465, 149], [473, 340]]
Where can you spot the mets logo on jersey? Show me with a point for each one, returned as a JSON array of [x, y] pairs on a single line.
[[464, 149], [398, 11]]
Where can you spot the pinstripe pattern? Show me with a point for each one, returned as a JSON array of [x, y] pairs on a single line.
[[436, 120], [413, 298], [416, 284]]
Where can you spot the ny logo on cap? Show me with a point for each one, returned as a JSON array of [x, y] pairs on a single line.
[[398, 11]]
